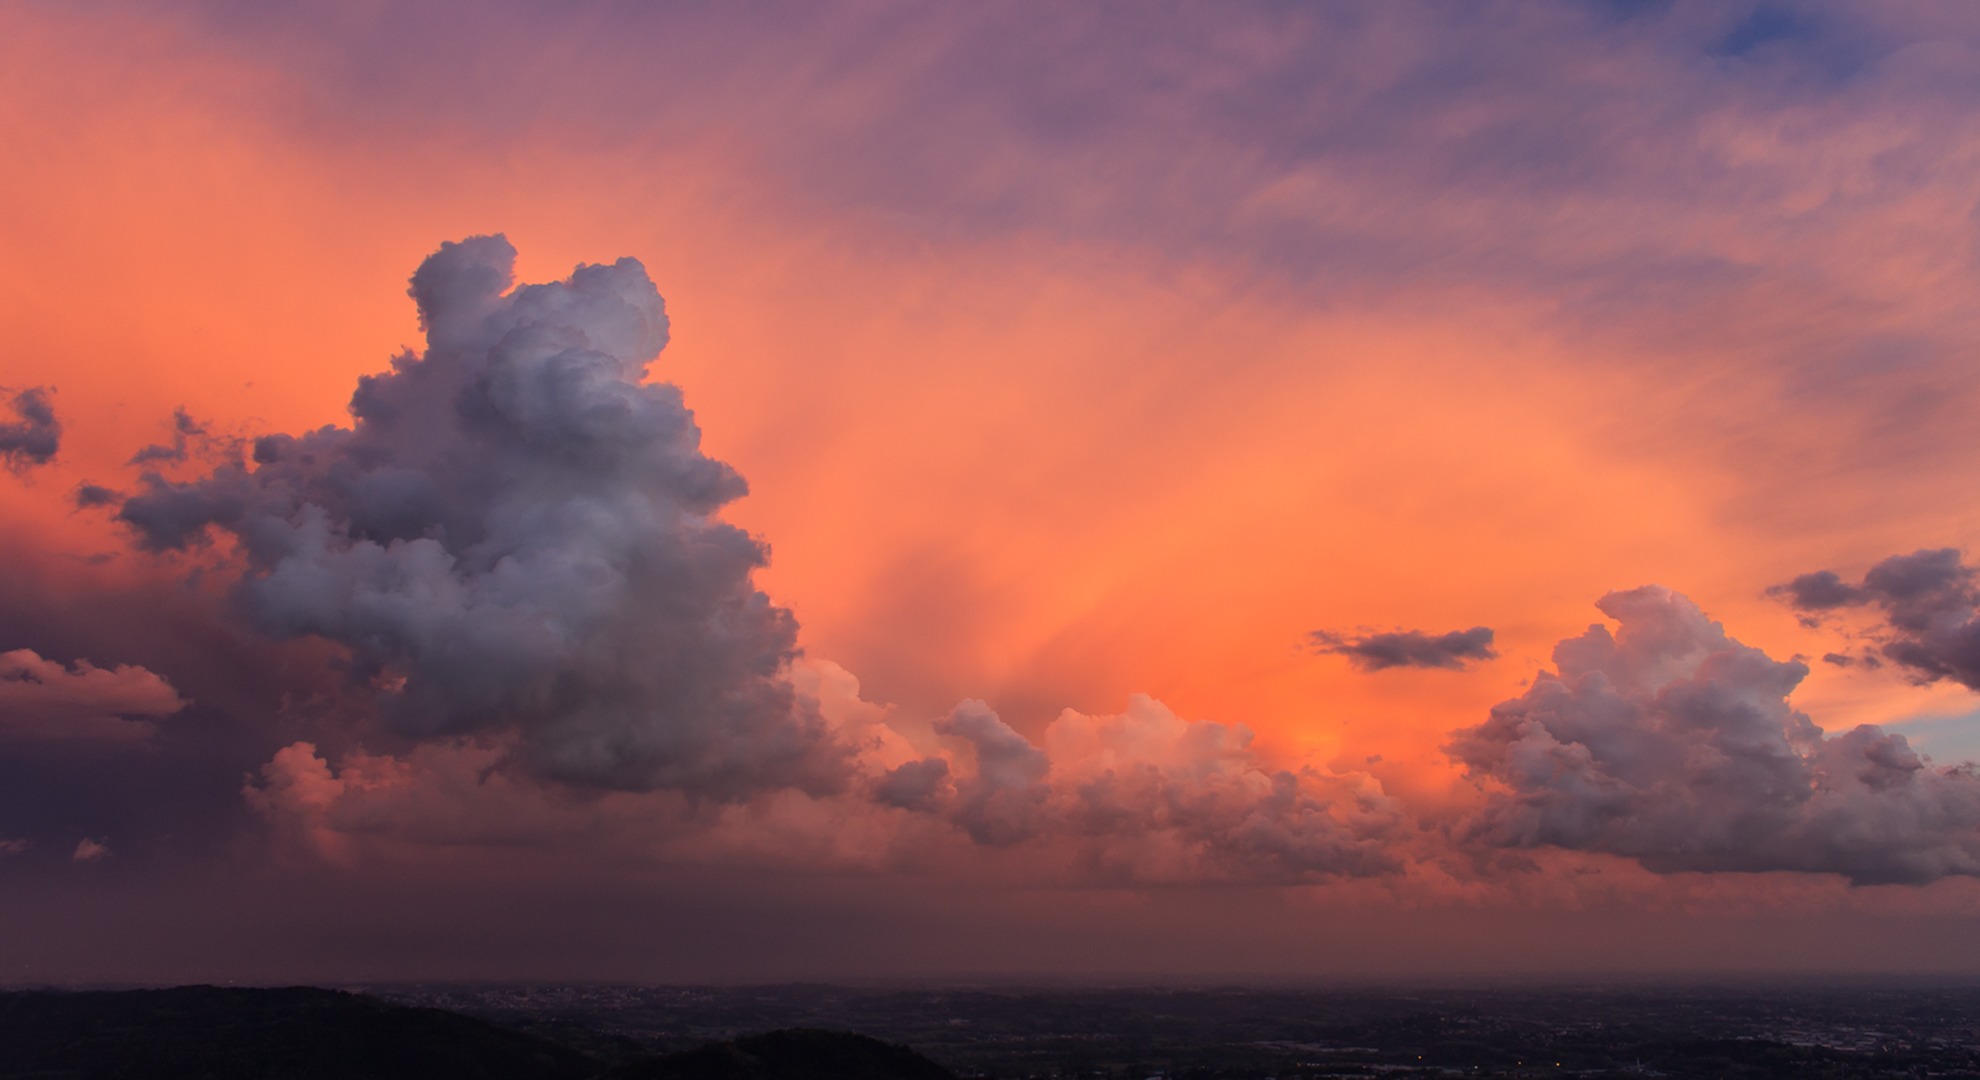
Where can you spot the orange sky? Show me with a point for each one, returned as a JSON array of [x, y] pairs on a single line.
[[1053, 457]]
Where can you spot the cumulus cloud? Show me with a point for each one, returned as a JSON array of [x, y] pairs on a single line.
[[449, 793], [455, 792], [34, 438], [40, 700], [1668, 742], [89, 851], [14, 846], [1408, 648], [1930, 606], [517, 543], [1145, 795], [518, 534], [1139, 797]]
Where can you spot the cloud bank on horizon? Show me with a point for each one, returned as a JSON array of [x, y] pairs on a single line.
[[517, 551]]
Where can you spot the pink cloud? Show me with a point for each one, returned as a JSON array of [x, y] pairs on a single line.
[[40, 700]]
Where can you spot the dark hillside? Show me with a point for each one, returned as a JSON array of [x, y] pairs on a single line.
[[219, 1033], [800, 1054]]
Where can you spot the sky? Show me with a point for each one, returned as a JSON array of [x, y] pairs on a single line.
[[673, 492]]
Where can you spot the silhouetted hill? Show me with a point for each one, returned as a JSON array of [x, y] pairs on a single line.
[[225, 1033], [798, 1054], [220, 1033]]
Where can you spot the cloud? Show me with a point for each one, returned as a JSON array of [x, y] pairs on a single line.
[[1409, 648], [92, 496], [42, 701], [1141, 797], [518, 534], [448, 793], [14, 847], [1670, 743], [1820, 591], [174, 452], [1930, 605], [516, 543], [89, 851], [1145, 795], [36, 436]]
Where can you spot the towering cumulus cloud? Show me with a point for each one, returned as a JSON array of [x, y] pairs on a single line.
[[1930, 607], [517, 537], [516, 544], [1673, 744]]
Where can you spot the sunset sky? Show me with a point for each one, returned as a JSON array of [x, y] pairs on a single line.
[[1157, 470]]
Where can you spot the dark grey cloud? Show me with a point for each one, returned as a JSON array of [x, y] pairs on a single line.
[[34, 438], [1409, 648], [94, 750], [1930, 607], [517, 535], [1671, 743], [916, 785], [1002, 800], [1819, 591], [95, 496], [173, 452]]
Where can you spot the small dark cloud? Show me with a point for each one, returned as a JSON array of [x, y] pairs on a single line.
[[917, 785], [1819, 591], [93, 496], [1929, 603], [184, 428], [1409, 648], [36, 436]]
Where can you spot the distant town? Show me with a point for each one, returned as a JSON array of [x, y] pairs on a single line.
[[1864, 1029]]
